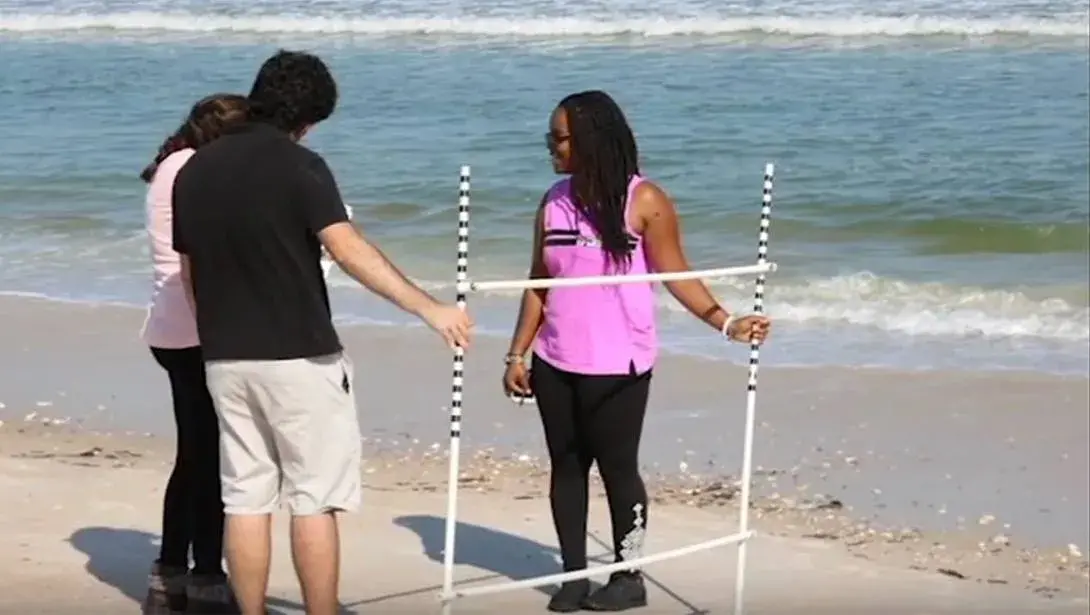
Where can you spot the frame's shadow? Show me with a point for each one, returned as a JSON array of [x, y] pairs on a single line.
[[500, 553], [505, 555], [121, 558]]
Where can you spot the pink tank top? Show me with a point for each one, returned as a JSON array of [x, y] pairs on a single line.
[[599, 330]]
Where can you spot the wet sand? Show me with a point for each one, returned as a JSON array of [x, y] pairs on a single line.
[[977, 478]]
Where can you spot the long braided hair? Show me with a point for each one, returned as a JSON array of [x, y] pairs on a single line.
[[605, 157], [207, 120]]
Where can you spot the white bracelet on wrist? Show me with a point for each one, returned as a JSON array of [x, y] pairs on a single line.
[[726, 326]]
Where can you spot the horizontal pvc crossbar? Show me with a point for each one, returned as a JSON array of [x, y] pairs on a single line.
[[553, 579], [611, 280]]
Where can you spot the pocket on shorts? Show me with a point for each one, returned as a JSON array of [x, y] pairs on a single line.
[[347, 375], [335, 371]]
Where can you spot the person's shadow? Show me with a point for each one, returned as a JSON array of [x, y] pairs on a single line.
[[121, 558]]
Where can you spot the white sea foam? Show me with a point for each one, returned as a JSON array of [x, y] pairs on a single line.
[[909, 308], [584, 26]]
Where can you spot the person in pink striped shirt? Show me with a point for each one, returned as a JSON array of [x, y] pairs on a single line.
[[193, 514]]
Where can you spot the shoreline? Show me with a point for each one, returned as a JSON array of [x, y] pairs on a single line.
[[994, 460], [350, 322], [974, 560]]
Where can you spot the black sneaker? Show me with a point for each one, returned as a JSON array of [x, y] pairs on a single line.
[[166, 591], [624, 591], [211, 594], [569, 598]]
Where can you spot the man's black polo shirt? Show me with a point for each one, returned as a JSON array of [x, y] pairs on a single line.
[[246, 211]]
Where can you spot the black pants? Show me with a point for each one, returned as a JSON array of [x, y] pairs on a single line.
[[588, 419], [192, 507]]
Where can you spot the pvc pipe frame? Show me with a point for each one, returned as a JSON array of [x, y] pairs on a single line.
[[496, 588], [463, 286], [614, 280]]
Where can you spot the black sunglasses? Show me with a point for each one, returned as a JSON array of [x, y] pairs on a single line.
[[552, 140]]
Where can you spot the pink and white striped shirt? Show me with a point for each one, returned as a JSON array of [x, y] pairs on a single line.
[[600, 330]]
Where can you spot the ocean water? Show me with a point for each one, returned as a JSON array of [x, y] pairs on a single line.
[[932, 192]]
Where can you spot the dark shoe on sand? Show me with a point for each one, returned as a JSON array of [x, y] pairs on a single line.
[[624, 591], [210, 594], [569, 598], [166, 591]]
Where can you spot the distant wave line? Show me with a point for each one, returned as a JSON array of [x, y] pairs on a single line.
[[547, 27]]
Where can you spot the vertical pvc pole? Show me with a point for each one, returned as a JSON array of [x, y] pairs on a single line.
[[457, 380], [751, 395]]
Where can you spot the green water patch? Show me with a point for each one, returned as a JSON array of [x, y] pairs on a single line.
[[932, 235]]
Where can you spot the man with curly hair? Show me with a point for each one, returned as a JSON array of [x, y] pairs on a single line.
[[252, 213]]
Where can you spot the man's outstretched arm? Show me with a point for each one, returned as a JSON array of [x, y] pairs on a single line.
[[327, 218], [366, 263]]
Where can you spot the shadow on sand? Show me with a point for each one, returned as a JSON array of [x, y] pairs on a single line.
[[502, 554], [121, 559]]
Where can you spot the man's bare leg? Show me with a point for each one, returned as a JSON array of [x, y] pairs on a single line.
[[248, 545], [315, 551]]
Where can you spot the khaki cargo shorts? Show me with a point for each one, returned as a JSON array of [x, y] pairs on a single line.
[[288, 435]]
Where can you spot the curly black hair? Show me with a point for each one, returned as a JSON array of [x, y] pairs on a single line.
[[293, 90], [606, 158]]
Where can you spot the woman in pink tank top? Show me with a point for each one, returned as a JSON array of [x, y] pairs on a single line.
[[596, 345], [192, 508]]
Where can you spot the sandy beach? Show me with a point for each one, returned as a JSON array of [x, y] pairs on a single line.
[[878, 491]]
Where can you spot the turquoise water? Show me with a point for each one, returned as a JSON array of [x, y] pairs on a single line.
[[932, 191]]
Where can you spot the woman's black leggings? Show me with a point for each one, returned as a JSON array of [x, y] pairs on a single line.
[[192, 506], [587, 419]]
